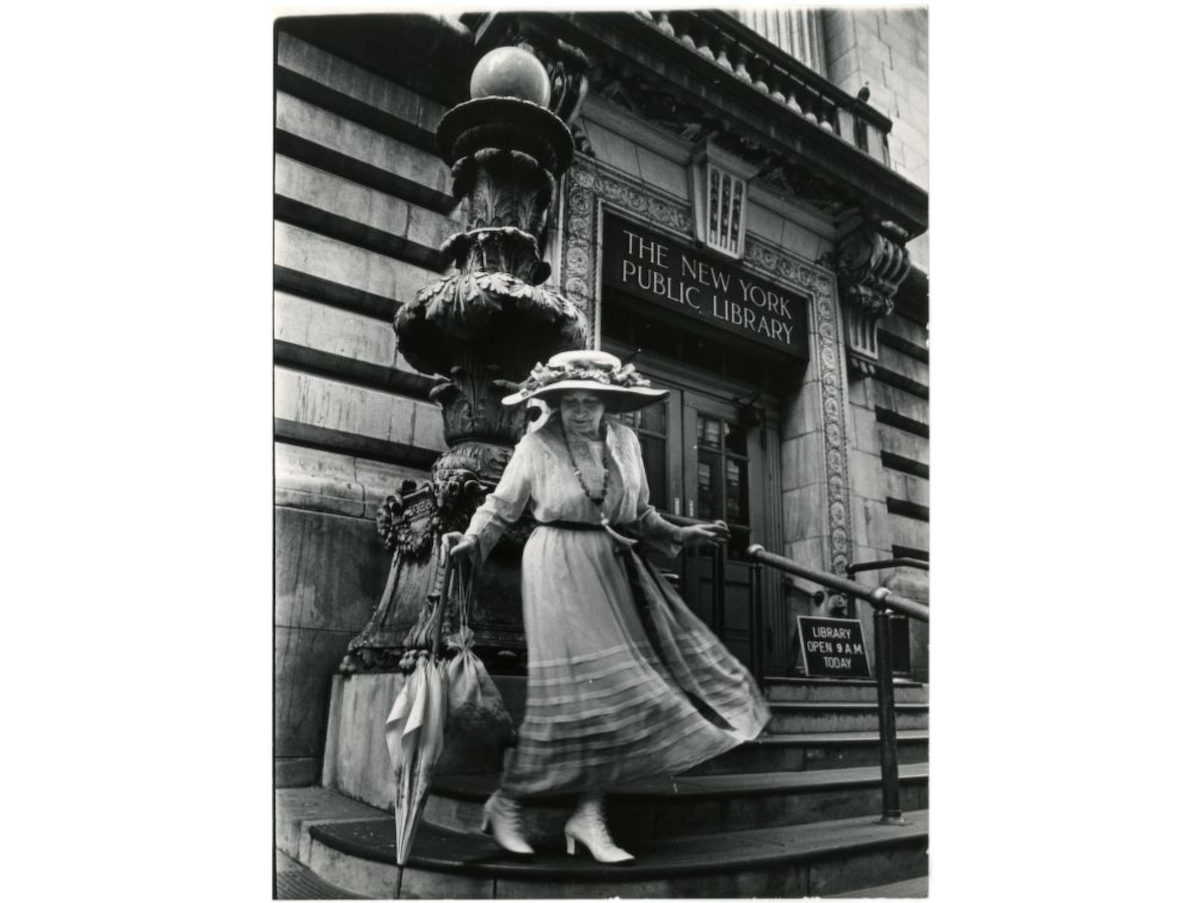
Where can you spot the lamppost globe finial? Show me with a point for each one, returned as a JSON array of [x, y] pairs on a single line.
[[511, 72]]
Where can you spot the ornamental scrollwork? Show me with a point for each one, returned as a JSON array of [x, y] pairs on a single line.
[[408, 520]]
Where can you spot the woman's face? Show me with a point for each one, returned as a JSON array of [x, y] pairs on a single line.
[[581, 412]]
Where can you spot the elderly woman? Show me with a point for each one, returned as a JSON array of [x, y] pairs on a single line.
[[624, 681]]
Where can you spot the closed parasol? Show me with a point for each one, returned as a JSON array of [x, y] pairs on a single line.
[[452, 706], [415, 732]]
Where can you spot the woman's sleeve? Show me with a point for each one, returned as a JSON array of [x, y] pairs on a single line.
[[649, 524], [507, 501]]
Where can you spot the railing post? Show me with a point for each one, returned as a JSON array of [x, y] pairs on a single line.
[[756, 620], [882, 600], [888, 758]]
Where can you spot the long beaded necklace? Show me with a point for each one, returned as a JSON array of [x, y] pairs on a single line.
[[597, 500]]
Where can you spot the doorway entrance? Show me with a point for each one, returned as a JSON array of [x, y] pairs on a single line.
[[707, 456]]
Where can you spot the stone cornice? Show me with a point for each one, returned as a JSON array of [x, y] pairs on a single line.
[[630, 43], [628, 125]]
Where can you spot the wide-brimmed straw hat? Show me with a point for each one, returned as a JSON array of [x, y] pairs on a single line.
[[618, 385]]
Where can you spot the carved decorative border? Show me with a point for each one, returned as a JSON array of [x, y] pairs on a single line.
[[589, 182], [831, 368]]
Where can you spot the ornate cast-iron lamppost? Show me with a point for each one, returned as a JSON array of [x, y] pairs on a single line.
[[479, 330]]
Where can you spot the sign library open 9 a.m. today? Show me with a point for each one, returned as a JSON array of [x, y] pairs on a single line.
[[832, 647]]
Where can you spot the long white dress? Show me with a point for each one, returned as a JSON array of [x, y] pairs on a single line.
[[624, 682]]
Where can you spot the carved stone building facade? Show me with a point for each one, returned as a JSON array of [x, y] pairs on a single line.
[[744, 212]]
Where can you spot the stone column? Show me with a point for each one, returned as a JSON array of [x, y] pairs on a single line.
[[479, 330]]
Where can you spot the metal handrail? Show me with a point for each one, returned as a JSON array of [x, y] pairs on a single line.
[[887, 563], [884, 602], [880, 598]]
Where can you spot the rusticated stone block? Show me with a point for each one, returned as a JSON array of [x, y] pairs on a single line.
[[338, 262], [329, 570], [305, 661]]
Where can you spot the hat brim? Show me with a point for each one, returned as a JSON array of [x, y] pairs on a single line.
[[617, 400]]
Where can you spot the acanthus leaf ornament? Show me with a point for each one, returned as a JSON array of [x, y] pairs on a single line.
[[872, 262]]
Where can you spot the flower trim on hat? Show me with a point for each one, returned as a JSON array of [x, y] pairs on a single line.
[[544, 375]]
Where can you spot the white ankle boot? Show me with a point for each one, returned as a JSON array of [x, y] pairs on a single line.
[[502, 818], [588, 827]]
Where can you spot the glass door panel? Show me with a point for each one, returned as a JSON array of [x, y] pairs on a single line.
[[718, 467]]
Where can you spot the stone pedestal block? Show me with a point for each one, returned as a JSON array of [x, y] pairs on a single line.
[[356, 754]]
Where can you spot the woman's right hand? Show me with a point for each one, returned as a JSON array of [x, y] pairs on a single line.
[[455, 544], [713, 533]]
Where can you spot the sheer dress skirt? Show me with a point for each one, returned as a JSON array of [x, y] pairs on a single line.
[[624, 681]]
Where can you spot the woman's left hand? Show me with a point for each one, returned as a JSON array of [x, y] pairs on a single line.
[[700, 534]]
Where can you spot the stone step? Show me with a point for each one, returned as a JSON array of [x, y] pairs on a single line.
[[805, 689], [797, 861], [831, 717], [806, 752], [909, 889], [299, 808], [667, 808], [294, 881], [776, 689]]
